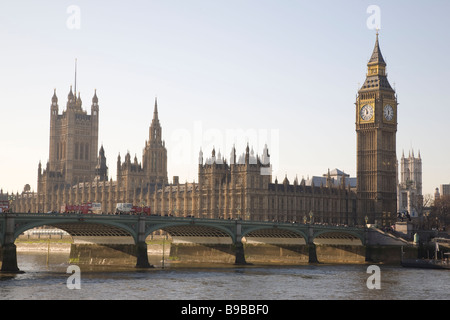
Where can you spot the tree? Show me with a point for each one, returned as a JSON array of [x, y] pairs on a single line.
[[439, 216]]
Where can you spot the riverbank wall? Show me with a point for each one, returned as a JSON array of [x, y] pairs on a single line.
[[288, 254]]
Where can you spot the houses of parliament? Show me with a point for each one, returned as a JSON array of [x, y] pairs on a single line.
[[240, 187]]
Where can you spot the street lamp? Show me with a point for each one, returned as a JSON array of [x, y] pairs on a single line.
[[142, 207], [311, 217], [366, 219]]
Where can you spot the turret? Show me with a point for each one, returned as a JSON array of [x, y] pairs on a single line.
[[94, 106], [70, 99], [54, 106], [247, 154], [118, 163], [200, 157], [233, 156], [101, 169]]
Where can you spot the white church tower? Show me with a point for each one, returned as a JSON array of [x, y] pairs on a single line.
[[409, 190]]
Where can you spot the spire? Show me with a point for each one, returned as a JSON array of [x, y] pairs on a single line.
[[233, 155], [155, 120], [54, 98], [70, 95], [377, 57], [155, 127], [200, 157], [247, 154], [376, 78], [94, 98], [78, 100], [155, 110]]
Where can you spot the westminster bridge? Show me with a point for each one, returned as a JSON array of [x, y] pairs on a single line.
[[241, 240]]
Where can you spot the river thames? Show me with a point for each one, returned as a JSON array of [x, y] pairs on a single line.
[[45, 277]]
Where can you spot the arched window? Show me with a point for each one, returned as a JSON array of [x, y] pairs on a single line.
[[81, 151], [76, 150]]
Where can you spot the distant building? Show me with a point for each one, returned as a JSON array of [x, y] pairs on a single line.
[[445, 189], [436, 194], [409, 191], [334, 177]]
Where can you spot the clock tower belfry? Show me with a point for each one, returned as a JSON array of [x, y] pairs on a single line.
[[376, 128]]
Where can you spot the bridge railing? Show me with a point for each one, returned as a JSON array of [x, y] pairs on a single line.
[[175, 218]]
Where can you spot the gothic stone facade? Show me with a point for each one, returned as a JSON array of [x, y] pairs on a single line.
[[236, 189]]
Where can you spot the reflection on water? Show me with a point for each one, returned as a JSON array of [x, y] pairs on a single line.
[[45, 277]]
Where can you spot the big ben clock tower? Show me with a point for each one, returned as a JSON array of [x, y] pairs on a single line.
[[376, 127]]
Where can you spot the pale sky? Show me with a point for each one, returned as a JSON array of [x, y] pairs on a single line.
[[282, 72]]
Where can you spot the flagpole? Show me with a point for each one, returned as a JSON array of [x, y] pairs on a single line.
[[75, 79]]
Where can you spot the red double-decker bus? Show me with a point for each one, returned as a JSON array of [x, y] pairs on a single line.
[[129, 208], [4, 206], [86, 208]]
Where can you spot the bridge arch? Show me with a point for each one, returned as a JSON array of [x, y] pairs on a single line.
[[346, 237], [79, 227], [192, 230], [205, 241], [275, 232]]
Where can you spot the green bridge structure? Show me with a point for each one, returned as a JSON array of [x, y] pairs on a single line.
[[241, 240]]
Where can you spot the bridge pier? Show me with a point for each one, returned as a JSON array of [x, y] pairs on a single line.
[[9, 260], [142, 256], [9, 254], [238, 246], [312, 253], [141, 246], [239, 253]]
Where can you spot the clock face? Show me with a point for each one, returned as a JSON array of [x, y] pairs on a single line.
[[388, 112], [366, 112]]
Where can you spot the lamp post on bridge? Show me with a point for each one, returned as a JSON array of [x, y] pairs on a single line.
[[366, 240]]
